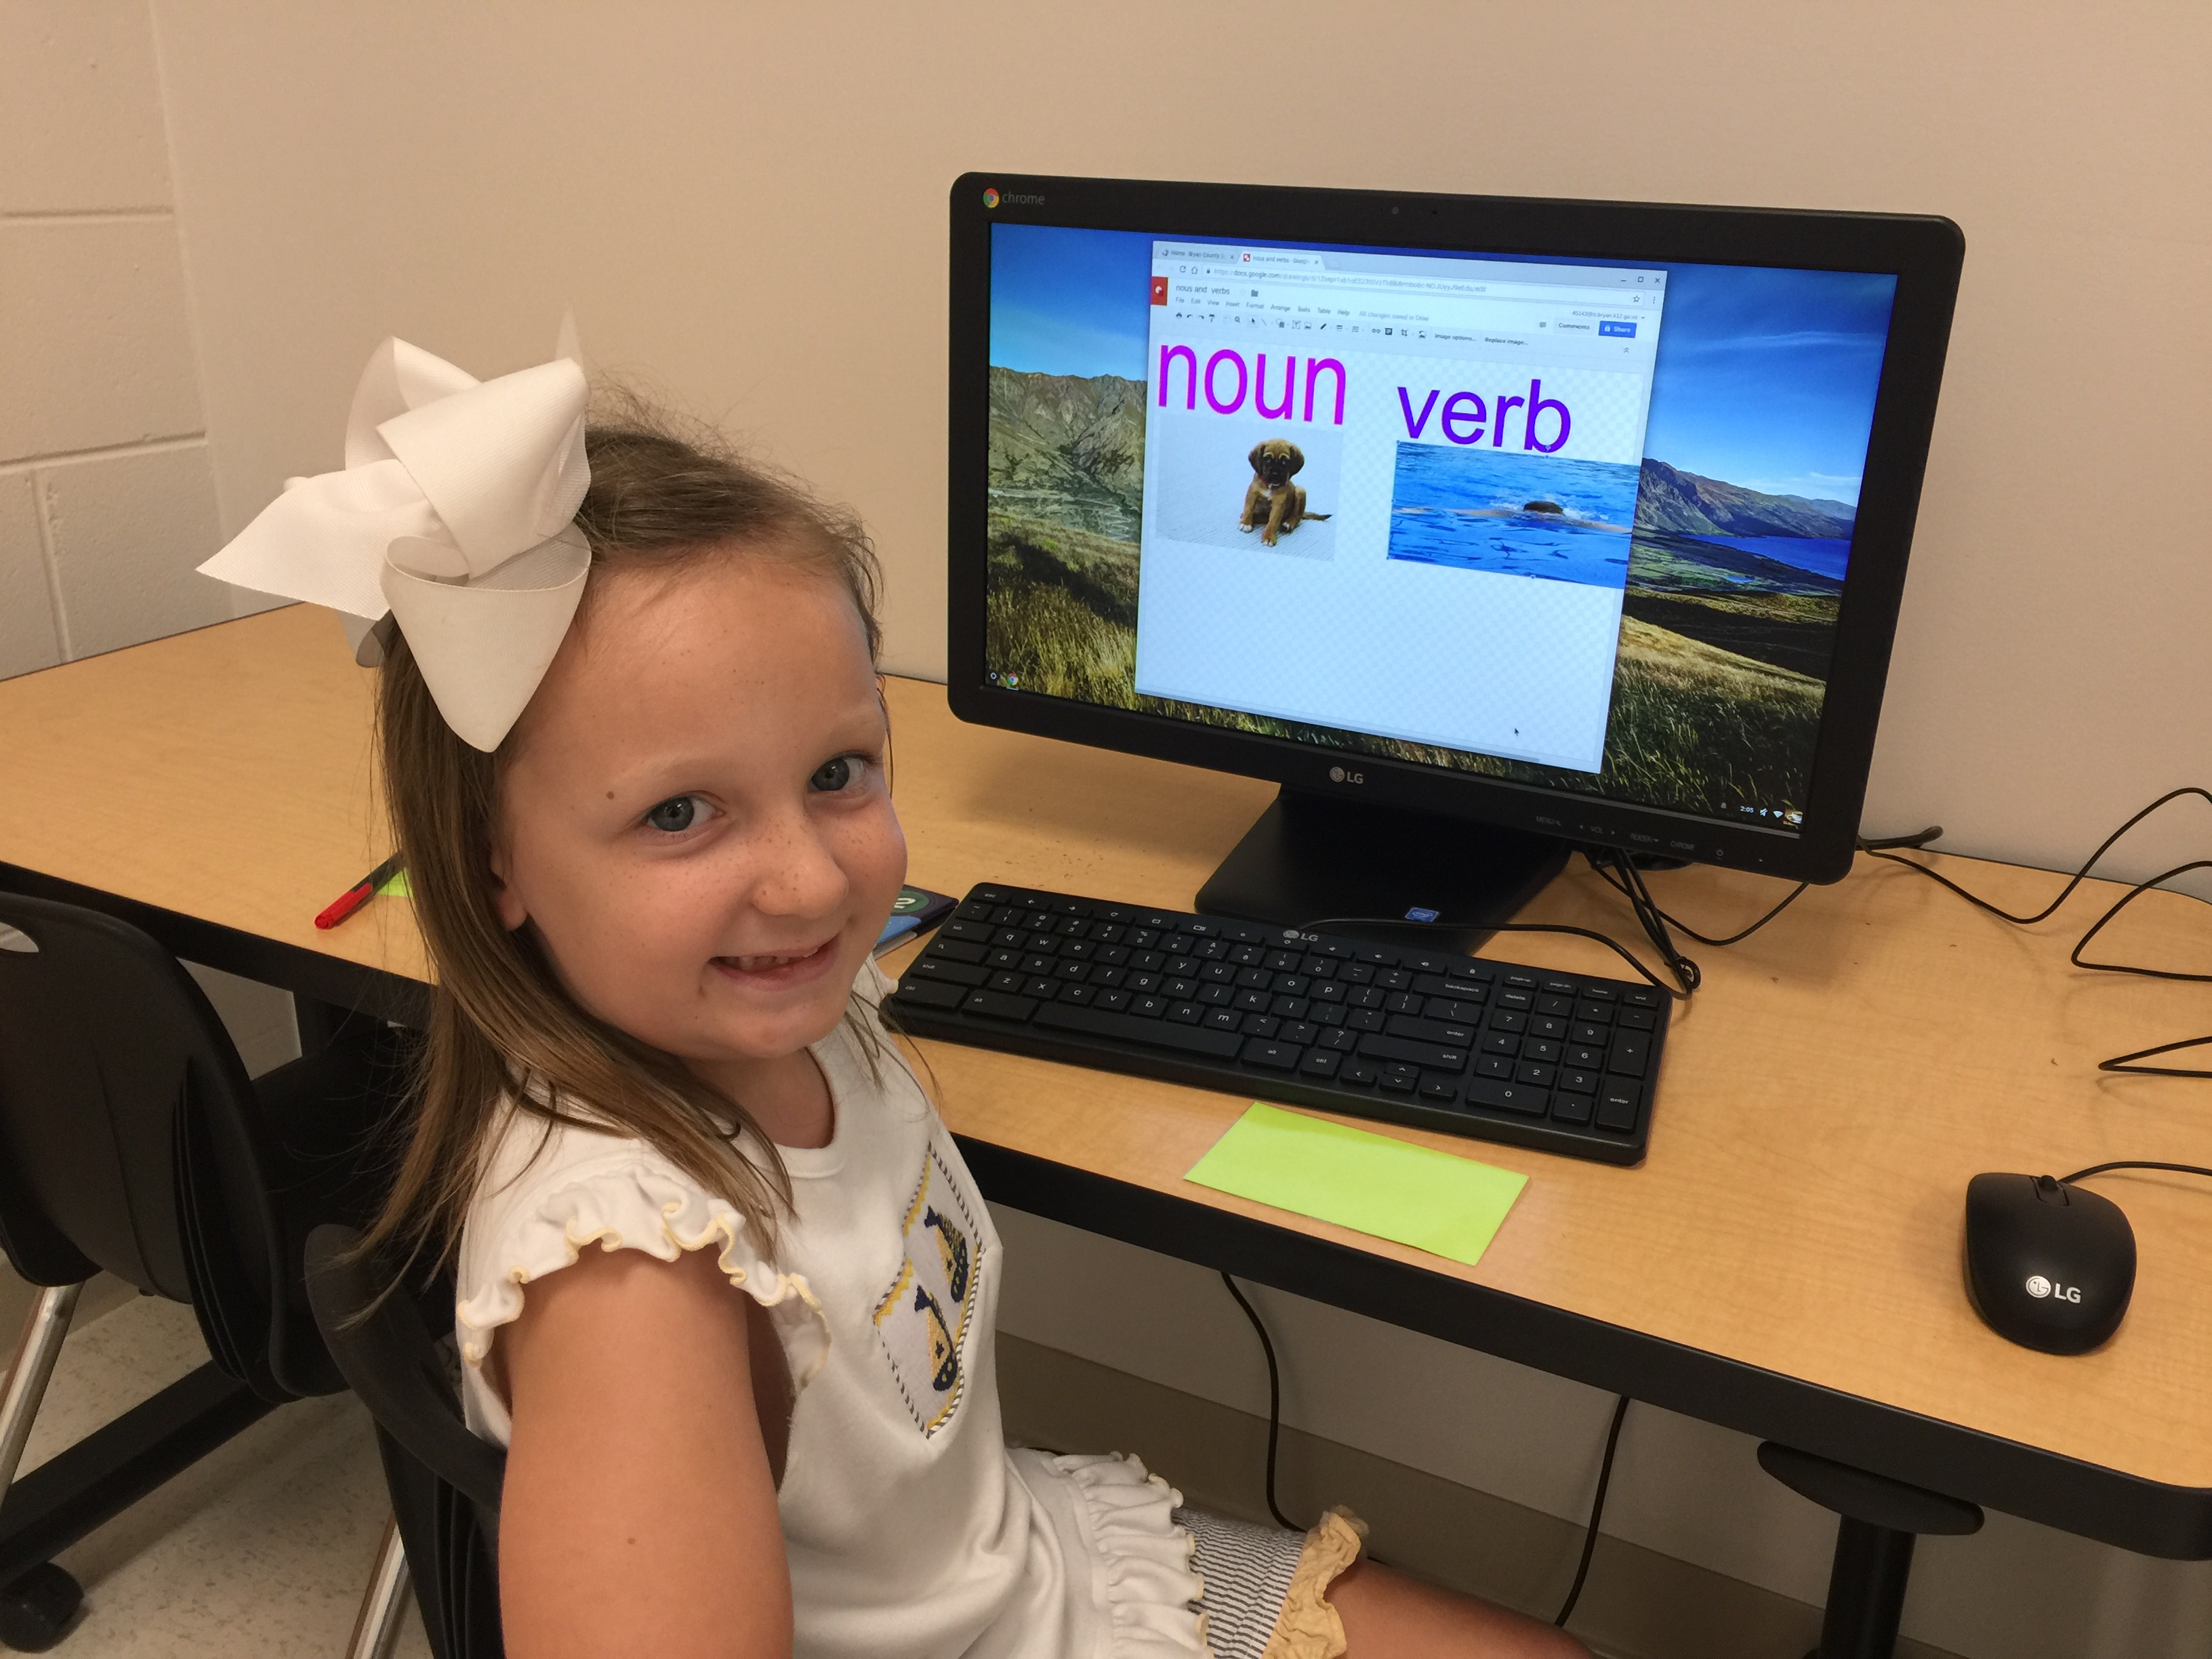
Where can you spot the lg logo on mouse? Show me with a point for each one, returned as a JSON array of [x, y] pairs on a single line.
[[2039, 1287]]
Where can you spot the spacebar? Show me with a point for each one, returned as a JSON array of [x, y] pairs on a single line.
[[1140, 1032]]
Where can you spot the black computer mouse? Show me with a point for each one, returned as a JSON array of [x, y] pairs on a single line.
[[2048, 1266]]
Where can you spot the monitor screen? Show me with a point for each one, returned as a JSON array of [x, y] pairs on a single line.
[[1580, 524]]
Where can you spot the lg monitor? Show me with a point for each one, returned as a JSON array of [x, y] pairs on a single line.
[[1486, 527]]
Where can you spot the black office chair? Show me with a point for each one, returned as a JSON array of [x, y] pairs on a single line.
[[1878, 1520], [132, 1141], [445, 1482]]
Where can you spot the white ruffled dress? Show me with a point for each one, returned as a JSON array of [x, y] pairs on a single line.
[[911, 1527]]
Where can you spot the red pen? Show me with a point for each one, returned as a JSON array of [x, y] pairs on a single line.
[[359, 894]]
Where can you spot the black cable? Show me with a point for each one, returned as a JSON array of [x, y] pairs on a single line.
[[2130, 1163], [1919, 843], [1604, 868], [1275, 1403], [1597, 1513], [2120, 1063], [2125, 1063]]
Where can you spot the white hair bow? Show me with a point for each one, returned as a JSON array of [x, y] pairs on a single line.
[[454, 513]]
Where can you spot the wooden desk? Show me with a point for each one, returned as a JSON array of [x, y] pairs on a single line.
[[1786, 1263]]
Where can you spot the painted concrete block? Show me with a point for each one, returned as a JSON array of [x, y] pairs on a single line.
[[27, 637], [127, 532], [95, 350], [80, 107]]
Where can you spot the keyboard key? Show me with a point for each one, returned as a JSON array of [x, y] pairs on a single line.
[[1539, 1076], [1144, 1033], [1401, 1081], [1587, 1033], [952, 949], [1039, 985], [1504, 1020], [927, 995], [1537, 1048], [1622, 1095], [1008, 982], [1547, 1025], [1572, 1108], [953, 973], [993, 1005], [1357, 1071], [1637, 1019], [1299, 1031], [1555, 1005], [974, 932], [1632, 1052], [1613, 1115], [1289, 1007], [1579, 1082], [1520, 1001], [1275, 1056], [1259, 1025], [1494, 1065], [1431, 1030], [1115, 999], [1224, 1020], [1336, 1037], [1186, 1013], [1585, 1055], [1148, 1007], [1216, 996], [1501, 1043], [1592, 1011], [1435, 1086], [1320, 1062], [1080, 995], [1419, 1053], [1253, 1002], [1509, 1096]]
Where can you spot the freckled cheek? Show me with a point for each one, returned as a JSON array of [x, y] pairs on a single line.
[[873, 855]]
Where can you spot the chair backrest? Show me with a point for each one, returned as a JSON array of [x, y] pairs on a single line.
[[109, 1054], [132, 1140], [445, 1482]]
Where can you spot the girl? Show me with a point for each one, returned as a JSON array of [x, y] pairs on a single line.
[[761, 1416]]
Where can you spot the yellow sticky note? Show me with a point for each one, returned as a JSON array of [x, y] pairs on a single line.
[[1435, 1201]]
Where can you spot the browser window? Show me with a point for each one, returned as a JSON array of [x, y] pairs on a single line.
[[1393, 493]]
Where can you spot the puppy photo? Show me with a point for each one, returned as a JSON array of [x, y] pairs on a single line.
[[1271, 496]]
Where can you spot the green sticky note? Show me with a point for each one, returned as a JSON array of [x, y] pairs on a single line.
[[395, 885], [1435, 1201]]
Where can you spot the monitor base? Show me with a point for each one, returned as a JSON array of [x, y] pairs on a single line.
[[1314, 857]]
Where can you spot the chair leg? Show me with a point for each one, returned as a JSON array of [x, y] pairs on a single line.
[[384, 1604], [33, 1367]]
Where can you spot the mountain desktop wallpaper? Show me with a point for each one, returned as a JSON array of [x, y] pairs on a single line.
[[1733, 589]]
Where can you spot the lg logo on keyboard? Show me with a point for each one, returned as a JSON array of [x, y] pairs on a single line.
[[2038, 1287], [1338, 774]]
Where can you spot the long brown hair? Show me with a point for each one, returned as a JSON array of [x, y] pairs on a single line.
[[502, 1026]]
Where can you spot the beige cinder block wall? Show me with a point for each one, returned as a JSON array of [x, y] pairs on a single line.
[[107, 496]]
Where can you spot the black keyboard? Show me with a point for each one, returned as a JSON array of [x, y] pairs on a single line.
[[1565, 1062]]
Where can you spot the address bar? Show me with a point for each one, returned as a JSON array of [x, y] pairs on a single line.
[[1283, 282]]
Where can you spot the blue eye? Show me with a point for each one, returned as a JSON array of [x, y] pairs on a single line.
[[839, 773], [675, 815]]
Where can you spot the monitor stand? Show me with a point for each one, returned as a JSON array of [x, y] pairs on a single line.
[[1311, 857]]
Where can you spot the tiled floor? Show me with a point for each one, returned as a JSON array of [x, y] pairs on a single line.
[[261, 1548]]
